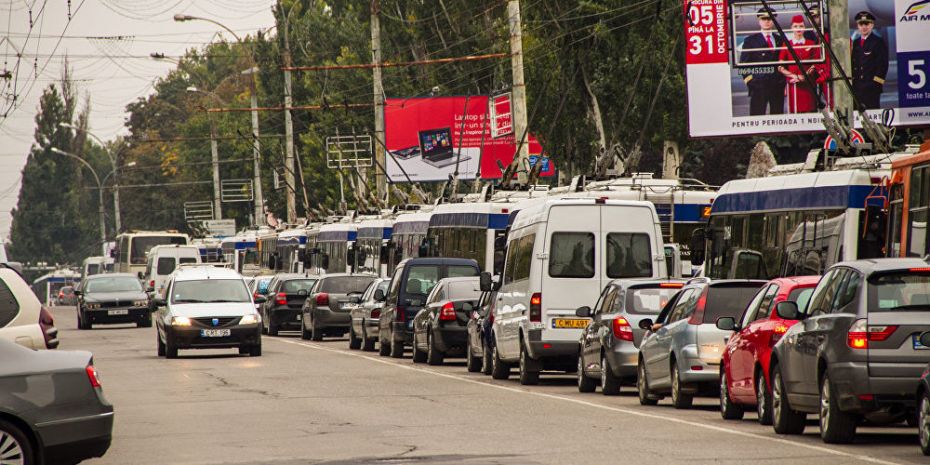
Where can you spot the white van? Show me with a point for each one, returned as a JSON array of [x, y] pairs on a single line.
[[162, 260], [560, 254]]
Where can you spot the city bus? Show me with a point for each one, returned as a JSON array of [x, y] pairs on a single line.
[[406, 236], [371, 246], [332, 248], [132, 248], [268, 251], [241, 251], [909, 200], [290, 244]]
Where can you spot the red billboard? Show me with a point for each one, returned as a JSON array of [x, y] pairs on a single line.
[[429, 138]]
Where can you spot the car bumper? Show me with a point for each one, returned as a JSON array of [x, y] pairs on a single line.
[[286, 317], [451, 339], [113, 315], [191, 338], [328, 319], [372, 327], [858, 391], [623, 358], [539, 348], [73, 440]]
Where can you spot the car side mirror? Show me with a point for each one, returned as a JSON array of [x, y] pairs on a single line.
[[379, 295], [925, 339], [78, 293], [583, 312], [726, 323], [484, 281], [645, 324], [788, 310], [159, 301], [261, 299], [140, 275]]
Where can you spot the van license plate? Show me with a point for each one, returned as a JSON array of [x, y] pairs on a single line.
[[917, 344], [118, 312], [569, 323], [214, 332]]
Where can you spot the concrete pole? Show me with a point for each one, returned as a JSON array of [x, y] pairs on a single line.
[[116, 217], [839, 41], [378, 88], [215, 160], [518, 100], [289, 178], [257, 161]]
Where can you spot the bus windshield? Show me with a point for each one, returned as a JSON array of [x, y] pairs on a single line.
[[142, 244]]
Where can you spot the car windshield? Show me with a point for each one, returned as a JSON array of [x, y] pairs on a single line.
[[114, 284], [728, 300], [648, 301], [209, 290], [903, 291], [801, 296], [346, 284], [296, 285]]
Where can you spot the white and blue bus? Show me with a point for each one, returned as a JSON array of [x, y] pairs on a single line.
[[407, 235], [241, 251], [46, 287], [332, 248], [372, 246], [290, 246]]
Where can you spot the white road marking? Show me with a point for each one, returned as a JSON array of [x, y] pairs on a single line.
[[787, 442]]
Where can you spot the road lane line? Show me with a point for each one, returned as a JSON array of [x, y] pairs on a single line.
[[787, 442]]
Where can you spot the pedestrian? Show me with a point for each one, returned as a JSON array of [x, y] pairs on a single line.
[[801, 94], [869, 62], [766, 85]]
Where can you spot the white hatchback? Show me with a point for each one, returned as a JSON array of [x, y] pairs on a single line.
[[21, 314]]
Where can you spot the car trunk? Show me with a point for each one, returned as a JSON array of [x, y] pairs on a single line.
[[900, 355], [462, 311]]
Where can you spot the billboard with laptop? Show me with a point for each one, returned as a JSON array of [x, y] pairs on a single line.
[[431, 138]]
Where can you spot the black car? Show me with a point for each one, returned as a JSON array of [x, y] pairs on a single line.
[[478, 352], [285, 298], [326, 309], [413, 280], [923, 402], [112, 298], [439, 327]]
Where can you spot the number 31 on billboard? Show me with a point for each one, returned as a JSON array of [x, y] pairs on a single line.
[[706, 31]]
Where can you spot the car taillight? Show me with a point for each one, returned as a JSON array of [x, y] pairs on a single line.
[[447, 312], [376, 313], [92, 376], [622, 329], [400, 314], [322, 299], [698, 316], [536, 308], [860, 334], [152, 284], [282, 299]]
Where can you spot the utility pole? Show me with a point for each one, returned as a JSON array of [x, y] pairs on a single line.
[[380, 181], [289, 179], [256, 152], [116, 218], [215, 159], [521, 138], [839, 42]]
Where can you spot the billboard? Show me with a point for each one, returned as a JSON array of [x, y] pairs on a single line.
[[742, 77], [428, 138]]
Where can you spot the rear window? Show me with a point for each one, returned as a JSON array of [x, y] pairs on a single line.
[[421, 279], [648, 301], [903, 291], [9, 307], [165, 265], [572, 255], [728, 301], [467, 290], [801, 296], [629, 255], [296, 285], [461, 271], [346, 284]]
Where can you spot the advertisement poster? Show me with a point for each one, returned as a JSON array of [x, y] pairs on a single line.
[[742, 78], [429, 138]]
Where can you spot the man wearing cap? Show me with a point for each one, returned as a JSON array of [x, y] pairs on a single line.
[[766, 85], [869, 62]]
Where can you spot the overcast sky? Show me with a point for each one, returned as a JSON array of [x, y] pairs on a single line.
[[108, 43]]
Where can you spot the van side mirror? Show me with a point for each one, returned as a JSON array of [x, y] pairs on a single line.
[[379, 295], [646, 324], [697, 247], [726, 323], [788, 310], [484, 281], [583, 312]]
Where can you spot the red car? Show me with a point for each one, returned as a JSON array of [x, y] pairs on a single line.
[[744, 376]]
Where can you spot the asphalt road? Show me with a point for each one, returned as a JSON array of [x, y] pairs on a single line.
[[303, 403]]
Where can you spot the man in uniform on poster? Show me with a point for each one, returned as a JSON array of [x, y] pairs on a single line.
[[869, 62], [766, 86]]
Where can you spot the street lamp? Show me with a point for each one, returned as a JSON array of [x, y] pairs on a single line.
[[256, 148], [103, 226], [113, 161]]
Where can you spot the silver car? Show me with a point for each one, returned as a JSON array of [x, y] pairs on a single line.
[[681, 351], [366, 314]]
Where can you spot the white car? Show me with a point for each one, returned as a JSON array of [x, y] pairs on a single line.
[[23, 320], [207, 307]]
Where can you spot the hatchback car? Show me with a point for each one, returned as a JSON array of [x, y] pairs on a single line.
[[855, 353], [325, 311], [112, 298], [744, 374], [680, 354], [439, 327], [365, 315], [66, 296], [207, 308], [23, 319], [609, 346], [52, 408], [283, 302]]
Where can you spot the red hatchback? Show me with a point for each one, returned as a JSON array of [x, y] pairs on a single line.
[[744, 376]]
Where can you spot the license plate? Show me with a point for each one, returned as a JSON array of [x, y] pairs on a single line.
[[214, 332], [299, 316], [569, 323], [118, 312], [917, 344]]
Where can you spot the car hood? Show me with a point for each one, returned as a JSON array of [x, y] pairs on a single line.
[[195, 310], [113, 296]]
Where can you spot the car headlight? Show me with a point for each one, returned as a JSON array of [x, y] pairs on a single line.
[[180, 321], [91, 306], [250, 319], [140, 303]]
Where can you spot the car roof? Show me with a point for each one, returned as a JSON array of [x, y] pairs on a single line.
[[459, 279], [345, 275], [199, 273], [873, 265], [624, 283], [438, 261], [797, 280], [111, 275], [288, 276]]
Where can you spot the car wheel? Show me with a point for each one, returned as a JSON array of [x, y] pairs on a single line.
[[14, 445], [384, 347], [642, 386], [80, 320], [610, 383], [161, 345], [499, 369], [304, 332], [418, 356], [472, 363], [316, 334], [487, 365], [171, 348], [264, 323], [585, 384], [354, 342], [763, 401], [923, 422], [255, 350], [397, 348], [244, 350], [433, 355], [529, 369], [680, 400], [784, 420], [273, 326], [368, 344], [728, 409], [836, 426]]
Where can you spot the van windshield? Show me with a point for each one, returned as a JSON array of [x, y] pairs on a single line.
[[904, 291], [92, 269], [629, 255], [648, 301], [115, 284], [209, 290]]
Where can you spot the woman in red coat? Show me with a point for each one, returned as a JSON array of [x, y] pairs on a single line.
[[801, 97]]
